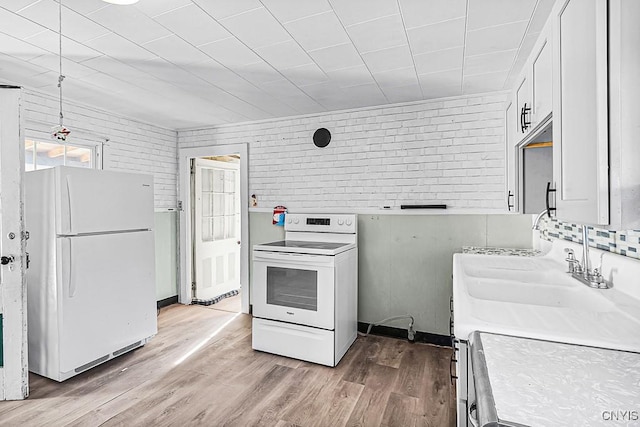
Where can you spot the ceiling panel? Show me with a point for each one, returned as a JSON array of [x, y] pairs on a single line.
[[256, 28], [357, 11], [487, 13], [158, 7], [224, 61], [18, 26], [378, 34], [337, 57], [284, 55], [388, 59], [326, 31], [444, 35], [193, 25], [282, 9], [492, 39], [440, 60], [490, 62], [417, 13]]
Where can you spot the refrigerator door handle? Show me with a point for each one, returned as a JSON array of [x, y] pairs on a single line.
[[67, 268], [69, 204]]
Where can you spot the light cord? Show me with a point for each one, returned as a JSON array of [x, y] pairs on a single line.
[[61, 76]]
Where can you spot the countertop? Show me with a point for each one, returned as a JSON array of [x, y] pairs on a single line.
[[500, 251], [541, 383]]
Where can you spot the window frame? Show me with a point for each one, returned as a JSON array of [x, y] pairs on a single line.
[[95, 149]]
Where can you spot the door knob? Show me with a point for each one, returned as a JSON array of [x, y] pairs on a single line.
[[4, 260]]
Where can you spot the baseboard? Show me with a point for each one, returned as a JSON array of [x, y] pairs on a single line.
[[423, 337], [167, 301]]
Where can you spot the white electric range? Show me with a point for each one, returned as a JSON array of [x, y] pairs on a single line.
[[305, 289]]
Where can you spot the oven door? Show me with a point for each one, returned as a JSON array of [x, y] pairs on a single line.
[[295, 288]]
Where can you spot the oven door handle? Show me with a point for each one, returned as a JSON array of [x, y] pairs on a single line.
[[292, 258]]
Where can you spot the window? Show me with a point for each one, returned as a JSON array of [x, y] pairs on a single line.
[[43, 155]]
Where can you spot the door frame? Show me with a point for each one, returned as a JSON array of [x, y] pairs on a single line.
[[185, 155], [14, 375]]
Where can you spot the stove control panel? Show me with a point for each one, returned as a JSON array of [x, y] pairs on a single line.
[[322, 223]]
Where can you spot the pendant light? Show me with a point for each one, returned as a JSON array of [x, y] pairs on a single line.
[[60, 133]]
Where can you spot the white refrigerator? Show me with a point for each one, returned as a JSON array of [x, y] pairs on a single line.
[[91, 281]]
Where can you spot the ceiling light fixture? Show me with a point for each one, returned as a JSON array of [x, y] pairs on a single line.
[[59, 132], [121, 2]]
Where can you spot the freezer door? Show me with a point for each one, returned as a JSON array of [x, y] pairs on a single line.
[[106, 294], [95, 201]]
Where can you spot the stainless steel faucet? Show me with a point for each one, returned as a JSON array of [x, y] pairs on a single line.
[[582, 271], [536, 223]]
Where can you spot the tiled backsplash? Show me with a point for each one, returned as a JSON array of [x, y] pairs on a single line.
[[625, 242]]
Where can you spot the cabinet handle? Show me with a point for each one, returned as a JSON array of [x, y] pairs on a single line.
[[549, 191], [450, 326], [524, 123], [509, 196]]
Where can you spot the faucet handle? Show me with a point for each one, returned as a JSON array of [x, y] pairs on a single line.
[[570, 254]]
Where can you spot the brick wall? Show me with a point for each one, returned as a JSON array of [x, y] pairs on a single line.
[[447, 151], [132, 146]]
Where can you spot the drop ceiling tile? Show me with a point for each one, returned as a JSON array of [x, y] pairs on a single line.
[[336, 57], [440, 60], [45, 81], [284, 55], [323, 90], [85, 7], [417, 13], [487, 13], [118, 69], [120, 48], [352, 76], [318, 31], [283, 88], [304, 75], [388, 59], [443, 35], [440, 91], [158, 7], [283, 10], [48, 40], [17, 71], [490, 62], [43, 12], [256, 28], [369, 94], [213, 72], [355, 11], [176, 50], [70, 69], [106, 82], [408, 93], [378, 34], [221, 9], [449, 78], [484, 82], [16, 5], [20, 49], [78, 27], [193, 25], [133, 25], [17, 26], [501, 37], [230, 52], [259, 73], [396, 78]]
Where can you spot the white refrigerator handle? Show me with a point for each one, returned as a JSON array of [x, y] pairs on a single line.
[[67, 269], [69, 204]]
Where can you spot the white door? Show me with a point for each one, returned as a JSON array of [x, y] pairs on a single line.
[[14, 378], [217, 228]]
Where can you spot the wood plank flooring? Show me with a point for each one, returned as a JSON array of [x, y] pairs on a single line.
[[194, 372]]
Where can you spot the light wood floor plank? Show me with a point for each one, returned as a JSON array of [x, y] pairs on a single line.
[[223, 382]]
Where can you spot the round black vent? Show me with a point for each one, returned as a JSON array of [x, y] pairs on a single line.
[[322, 137]]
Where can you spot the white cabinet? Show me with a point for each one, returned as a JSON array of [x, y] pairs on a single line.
[[580, 128], [542, 77], [523, 103], [511, 172]]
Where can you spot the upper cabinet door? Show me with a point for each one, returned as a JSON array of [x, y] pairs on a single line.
[[580, 125], [511, 174], [523, 106], [542, 78]]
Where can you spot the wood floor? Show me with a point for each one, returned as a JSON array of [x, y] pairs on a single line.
[[196, 373]]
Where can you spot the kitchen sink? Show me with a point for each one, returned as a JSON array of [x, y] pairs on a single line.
[[539, 294]]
